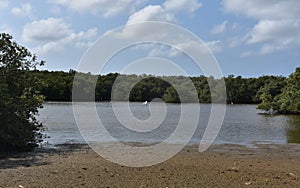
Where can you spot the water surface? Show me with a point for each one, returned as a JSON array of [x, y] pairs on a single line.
[[243, 124]]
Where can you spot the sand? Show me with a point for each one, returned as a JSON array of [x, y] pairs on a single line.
[[220, 166]]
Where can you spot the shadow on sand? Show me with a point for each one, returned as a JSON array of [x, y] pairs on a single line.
[[37, 157]]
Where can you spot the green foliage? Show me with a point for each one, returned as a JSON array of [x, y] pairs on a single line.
[[58, 87], [20, 98], [244, 90], [217, 88], [202, 88], [148, 89], [282, 95], [269, 93], [104, 87], [171, 95], [84, 87], [289, 99], [138, 88]]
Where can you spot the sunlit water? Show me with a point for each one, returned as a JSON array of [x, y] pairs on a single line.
[[243, 124]]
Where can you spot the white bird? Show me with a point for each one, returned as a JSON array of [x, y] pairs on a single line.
[[145, 102]]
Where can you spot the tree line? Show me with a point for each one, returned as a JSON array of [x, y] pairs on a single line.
[[270, 92]]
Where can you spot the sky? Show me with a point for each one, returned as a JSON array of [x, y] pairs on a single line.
[[248, 38]]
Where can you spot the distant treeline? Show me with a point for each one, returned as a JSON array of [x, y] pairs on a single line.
[[57, 86]]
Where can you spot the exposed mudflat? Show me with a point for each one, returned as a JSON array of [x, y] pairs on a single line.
[[220, 166]]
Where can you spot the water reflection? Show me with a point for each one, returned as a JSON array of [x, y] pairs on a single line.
[[243, 124], [293, 132]]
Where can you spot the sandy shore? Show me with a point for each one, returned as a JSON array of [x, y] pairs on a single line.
[[220, 166]]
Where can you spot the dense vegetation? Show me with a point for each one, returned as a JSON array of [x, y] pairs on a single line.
[[20, 98], [58, 87], [272, 93], [282, 96]]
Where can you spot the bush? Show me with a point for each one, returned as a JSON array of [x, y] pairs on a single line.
[[20, 98]]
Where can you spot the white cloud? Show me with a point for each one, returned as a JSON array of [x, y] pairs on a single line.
[[83, 39], [270, 9], [46, 30], [265, 49], [182, 5], [198, 48], [148, 13], [110, 8], [3, 4], [215, 46], [53, 34], [237, 41], [188, 45], [268, 49], [105, 7], [24, 10], [162, 51], [278, 26], [218, 29], [165, 12], [151, 13], [276, 31]]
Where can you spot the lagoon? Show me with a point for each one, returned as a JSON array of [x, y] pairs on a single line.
[[243, 124]]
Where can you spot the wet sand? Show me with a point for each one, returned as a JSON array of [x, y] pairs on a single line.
[[219, 166]]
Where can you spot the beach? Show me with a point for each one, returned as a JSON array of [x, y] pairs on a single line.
[[219, 166]]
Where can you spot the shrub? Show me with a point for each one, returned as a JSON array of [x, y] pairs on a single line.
[[20, 98]]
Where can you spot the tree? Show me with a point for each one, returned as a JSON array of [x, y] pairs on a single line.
[[171, 95], [269, 94], [20, 98], [289, 100], [282, 95]]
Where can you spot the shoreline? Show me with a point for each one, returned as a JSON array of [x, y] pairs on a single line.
[[77, 165], [192, 144]]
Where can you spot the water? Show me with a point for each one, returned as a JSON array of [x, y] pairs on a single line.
[[243, 124]]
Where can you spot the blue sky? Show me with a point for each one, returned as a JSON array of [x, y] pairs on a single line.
[[248, 38]]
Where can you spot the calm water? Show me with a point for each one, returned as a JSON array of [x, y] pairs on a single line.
[[243, 124]]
